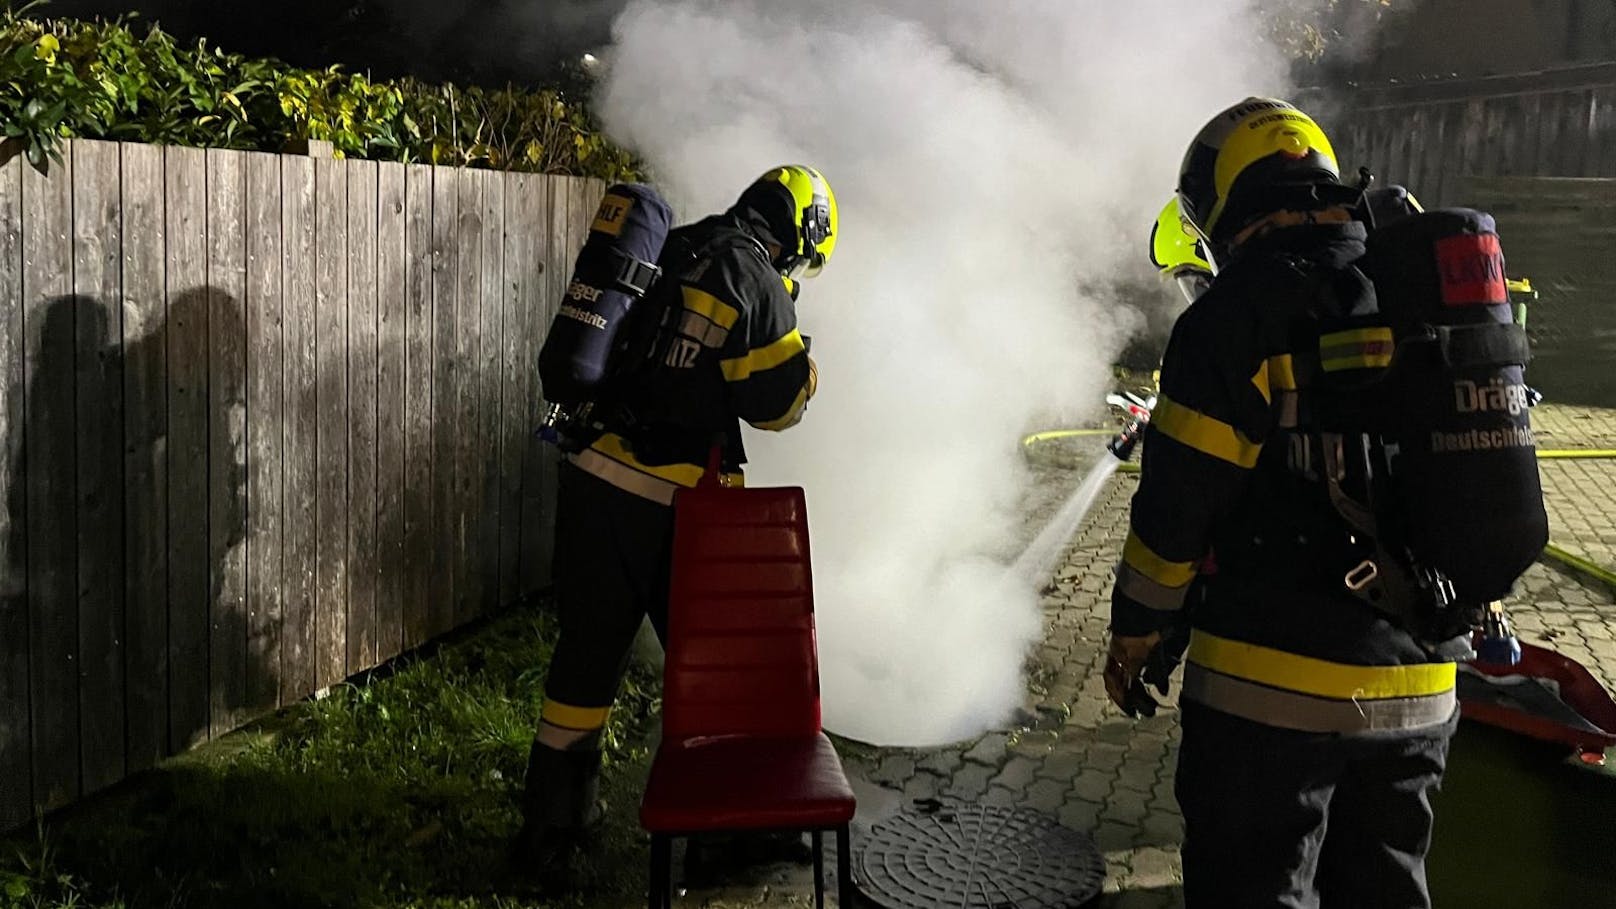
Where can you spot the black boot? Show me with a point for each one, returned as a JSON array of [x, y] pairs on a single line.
[[560, 806]]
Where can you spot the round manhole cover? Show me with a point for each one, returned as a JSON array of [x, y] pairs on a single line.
[[938, 856]]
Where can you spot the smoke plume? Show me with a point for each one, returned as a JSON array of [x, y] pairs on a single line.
[[998, 164]]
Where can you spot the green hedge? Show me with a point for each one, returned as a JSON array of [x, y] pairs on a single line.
[[107, 80]]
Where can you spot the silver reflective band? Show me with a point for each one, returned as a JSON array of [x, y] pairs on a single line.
[[625, 477], [1307, 713]]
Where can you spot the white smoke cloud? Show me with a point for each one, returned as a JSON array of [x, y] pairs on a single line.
[[998, 164]]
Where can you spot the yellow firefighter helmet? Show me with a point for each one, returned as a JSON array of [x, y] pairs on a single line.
[[814, 226], [1245, 152]]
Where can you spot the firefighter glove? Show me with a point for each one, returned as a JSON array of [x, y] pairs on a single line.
[[1125, 663]]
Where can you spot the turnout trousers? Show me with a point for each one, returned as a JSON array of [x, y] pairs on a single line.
[[1279, 818], [613, 554]]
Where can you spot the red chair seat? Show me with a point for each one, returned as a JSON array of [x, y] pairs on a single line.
[[746, 783]]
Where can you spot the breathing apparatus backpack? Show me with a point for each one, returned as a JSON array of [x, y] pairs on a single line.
[[603, 332], [1443, 432]]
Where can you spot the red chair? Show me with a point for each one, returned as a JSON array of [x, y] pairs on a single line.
[[742, 747]]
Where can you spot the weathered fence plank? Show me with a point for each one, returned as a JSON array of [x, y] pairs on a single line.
[[445, 264], [185, 174], [546, 205], [98, 394], [1544, 145], [301, 433], [1450, 153], [485, 551], [50, 461], [1553, 124], [391, 280], [266, 437], [362, 200], [227, 436], [145, 429], [419, 278], [468, 315], [514, 386], [331, 317], [538, 270], [16, 732], [1602, 151], [1577, 125]]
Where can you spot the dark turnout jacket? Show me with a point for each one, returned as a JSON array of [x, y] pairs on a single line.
[[735, 355], [1277, 636]]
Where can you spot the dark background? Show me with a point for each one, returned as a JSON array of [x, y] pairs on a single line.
[[492, 42], [487, 42]]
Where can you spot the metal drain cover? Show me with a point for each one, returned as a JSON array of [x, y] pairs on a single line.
[[940, 856]]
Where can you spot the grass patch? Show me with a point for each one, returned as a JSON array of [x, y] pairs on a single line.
[[398, 791]]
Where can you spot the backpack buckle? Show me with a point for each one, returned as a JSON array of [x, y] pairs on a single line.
[[1362, 576], [633, 276]]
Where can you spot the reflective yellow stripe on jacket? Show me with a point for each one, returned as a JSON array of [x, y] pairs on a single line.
[[1151, 580], [1291, 691], [1362, 348], [763, 358], [610, 459], [1205, 434]]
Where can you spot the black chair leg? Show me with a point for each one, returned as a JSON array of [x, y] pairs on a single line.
[[844, 869], [661, 871], [819, 869]]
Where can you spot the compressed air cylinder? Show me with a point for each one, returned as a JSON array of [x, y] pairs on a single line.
[[612, 273]]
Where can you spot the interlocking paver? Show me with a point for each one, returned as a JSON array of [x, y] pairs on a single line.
[[943, 761], [1128, 807], [1045, 795], [1062, 766], [970, 782], [1093, 785], [895, 769], [924, 786], [1140, 775], [1111, 836], [1000, 797], [1079, 815], [1018, 773], [989, 749]]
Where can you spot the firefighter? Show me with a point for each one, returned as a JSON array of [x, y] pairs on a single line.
[[1178, 253], [1314, 728], [735, 354]]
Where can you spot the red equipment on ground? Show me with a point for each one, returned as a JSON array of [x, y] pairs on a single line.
[[1546, 696]]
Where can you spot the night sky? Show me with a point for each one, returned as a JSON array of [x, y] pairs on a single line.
[[487, 42]]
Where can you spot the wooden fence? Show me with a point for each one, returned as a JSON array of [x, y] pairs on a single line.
[[267, 423], [1432, 136]]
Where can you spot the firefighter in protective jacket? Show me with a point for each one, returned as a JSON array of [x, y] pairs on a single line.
[[1304, 709], [731, 352]]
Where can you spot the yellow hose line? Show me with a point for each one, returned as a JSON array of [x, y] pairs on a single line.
[[1577, 454], [1053, 434], [1579, 564]]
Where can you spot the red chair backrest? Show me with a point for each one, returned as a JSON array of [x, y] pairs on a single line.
[[741, 658]]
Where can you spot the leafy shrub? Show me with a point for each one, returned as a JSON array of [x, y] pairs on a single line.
[[62, 78]]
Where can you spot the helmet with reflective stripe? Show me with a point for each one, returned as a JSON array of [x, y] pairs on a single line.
[[1245, 153], [812, 217]]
